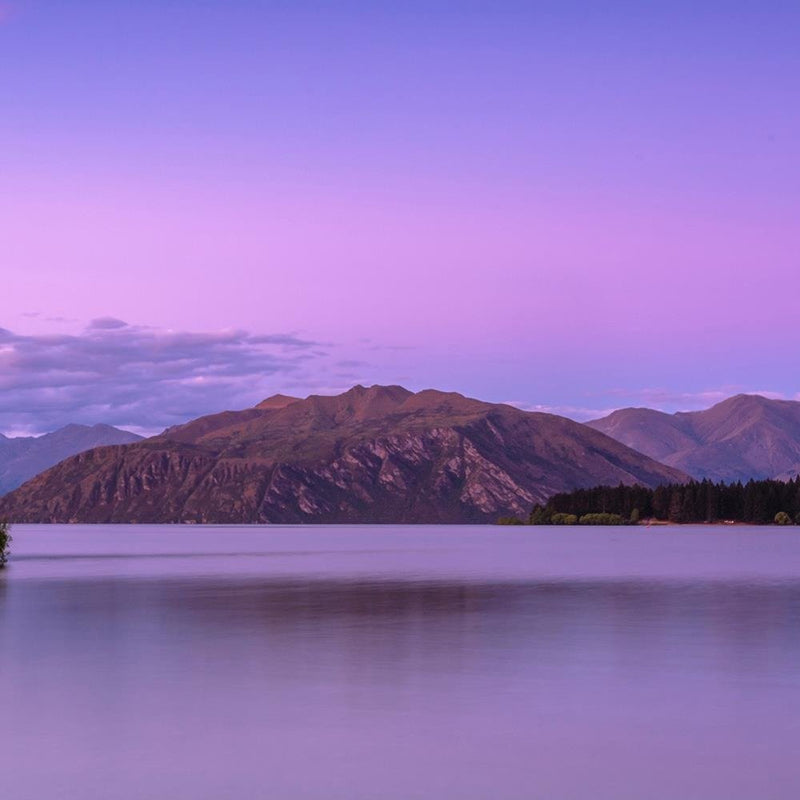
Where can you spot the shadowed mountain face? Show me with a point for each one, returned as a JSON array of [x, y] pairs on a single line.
[[23, 457], [744, 437], [381, 454]]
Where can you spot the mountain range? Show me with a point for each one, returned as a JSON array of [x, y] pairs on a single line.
[[382, 454], [23, 457], [378, 454], [743, 437]]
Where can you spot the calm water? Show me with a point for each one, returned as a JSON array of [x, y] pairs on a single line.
[[400, 663]]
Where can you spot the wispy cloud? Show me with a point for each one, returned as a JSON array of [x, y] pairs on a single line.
[[672, 400], [661, 399], [107, 324], [578, 413], [141, 378], [45, 318]]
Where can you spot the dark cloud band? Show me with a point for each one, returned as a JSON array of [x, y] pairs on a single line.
[[139, 377]]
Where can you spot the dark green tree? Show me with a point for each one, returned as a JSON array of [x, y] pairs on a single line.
[[539, 516], [5, 542]]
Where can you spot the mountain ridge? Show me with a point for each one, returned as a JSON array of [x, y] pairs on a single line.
[[742, 437], [371, 454], [24, 457]]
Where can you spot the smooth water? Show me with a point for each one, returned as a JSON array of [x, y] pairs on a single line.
[[183, 662]]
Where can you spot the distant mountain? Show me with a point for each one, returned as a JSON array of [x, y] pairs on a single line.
[[381, 454], [23, 457], [746, 436]]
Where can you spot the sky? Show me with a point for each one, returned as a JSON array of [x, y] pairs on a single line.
[[570, 206]]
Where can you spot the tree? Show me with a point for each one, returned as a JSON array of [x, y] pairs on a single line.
[[756, 502], [782, 518], [601, 518], [5, 541], [635, 516], [538, 516], [676, 505]]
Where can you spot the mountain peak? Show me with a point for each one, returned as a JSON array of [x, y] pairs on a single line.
[[377, 390], [744, 400], [277, 401], [741, 437], [363, 402], [22, 458]]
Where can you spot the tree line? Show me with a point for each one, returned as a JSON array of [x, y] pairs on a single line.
[[754, 502]]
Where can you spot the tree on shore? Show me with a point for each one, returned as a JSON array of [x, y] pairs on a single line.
[[5, 541], [754, 502], [602, 518]]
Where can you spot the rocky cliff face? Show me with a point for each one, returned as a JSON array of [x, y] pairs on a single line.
[[743, 437], [381, 454]]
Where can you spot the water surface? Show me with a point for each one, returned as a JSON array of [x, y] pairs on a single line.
[[400, 663]]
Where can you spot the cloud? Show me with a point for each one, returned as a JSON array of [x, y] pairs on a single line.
[[107, 324], [578, 413], [672, 400], [44, 317], [661, 399], [142, 378]]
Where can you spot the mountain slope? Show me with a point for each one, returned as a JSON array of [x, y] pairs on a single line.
[[743, 437], [381, 454], [23, 457]]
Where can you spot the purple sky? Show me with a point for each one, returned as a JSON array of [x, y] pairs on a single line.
[[577, 206]]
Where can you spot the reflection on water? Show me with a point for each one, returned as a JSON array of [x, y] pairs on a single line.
[[148, 677]]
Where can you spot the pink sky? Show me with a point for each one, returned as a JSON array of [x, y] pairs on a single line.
[[517, 204]]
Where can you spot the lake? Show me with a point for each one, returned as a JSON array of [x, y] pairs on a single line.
[[423, 662]]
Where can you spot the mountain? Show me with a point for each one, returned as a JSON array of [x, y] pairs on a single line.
[[743, 437], [23, 457], [379, 454]]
